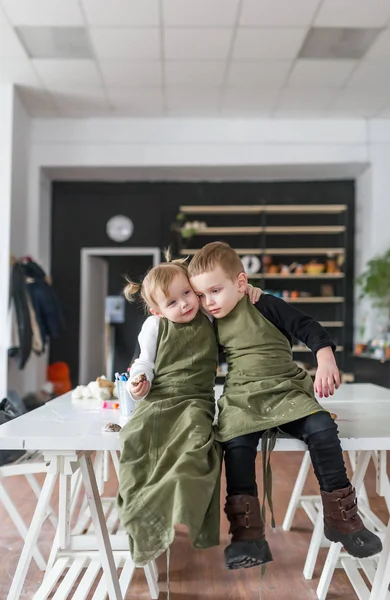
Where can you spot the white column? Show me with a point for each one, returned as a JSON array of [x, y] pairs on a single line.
[[6, 127], [372, 214]]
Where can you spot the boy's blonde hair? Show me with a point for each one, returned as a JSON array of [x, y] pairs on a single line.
[[216, 254], [159, 277]]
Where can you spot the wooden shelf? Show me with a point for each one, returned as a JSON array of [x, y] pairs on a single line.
[[222, 210], [305, 349], [331, 209], [240, 251], [277, 251], [315, 299], [307, 230], [228, 230], [303, 276], [271, 230], [270, 208], [303, 251]]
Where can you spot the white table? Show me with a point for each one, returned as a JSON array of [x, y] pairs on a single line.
[[363, 412], [67, 432]]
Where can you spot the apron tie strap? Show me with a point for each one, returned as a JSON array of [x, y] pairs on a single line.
[[168, 580], [268, 442]]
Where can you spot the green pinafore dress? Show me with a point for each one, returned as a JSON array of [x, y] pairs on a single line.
[[170, 463], [264, 387]]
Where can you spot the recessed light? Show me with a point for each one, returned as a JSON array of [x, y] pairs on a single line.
[[337, 42], [55, 42]]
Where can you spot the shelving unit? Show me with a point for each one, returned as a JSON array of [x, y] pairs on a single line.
[[289, 233]]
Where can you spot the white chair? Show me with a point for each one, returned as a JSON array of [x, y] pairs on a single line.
[[28, 465], [81, 551], [312, 505]]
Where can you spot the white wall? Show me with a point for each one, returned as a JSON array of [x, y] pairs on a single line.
[[19, 210], [6, 128], [373, 214]]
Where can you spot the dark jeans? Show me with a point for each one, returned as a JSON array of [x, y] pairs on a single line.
[[318, 431]]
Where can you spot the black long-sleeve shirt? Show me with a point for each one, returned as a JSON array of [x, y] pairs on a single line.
[[293, 323]]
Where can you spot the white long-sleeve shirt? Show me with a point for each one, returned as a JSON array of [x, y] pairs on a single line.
[[147, 340]]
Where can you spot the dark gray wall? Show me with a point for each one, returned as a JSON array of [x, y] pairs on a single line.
[[81, 210]]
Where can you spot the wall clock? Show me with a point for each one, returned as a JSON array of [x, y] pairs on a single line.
[[119, 228]]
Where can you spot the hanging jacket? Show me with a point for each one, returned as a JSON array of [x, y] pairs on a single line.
[[19, 296], [45, 302]]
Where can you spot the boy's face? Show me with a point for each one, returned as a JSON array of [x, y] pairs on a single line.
[[218, 294]]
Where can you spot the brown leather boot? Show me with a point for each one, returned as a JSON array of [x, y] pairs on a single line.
[[248, 546], [343, 524]]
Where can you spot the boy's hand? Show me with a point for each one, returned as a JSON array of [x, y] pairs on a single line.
[[254, 293], [140, 390], [327, 376]]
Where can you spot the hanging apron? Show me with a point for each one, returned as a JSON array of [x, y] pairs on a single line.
[[170, 463], [264, 387]]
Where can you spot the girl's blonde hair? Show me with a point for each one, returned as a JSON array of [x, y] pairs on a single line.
[[159, 277]]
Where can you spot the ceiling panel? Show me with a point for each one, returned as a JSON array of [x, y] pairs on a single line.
[[197, 44], [208, 73], [362, 102], [143, 43], [43, 12], [202, 13], [60, 74], [278, 13], [274, 44], [142, 101], [258, 73], [80, 99], [332, 73], [3, 18], [380, 50], [121, 13], [126, 73], [305, 99], [192, 98], [18, 71], [353, 13], [10, 45], [249, 100], [371, 74]]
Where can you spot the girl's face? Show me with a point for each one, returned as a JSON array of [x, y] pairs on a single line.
[[181, 304]]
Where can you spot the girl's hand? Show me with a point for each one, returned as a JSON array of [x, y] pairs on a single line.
[[254, 293], [140, 390]]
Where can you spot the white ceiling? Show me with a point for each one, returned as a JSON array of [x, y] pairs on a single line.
[[198, 58]]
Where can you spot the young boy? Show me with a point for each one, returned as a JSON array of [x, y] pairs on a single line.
[[265, 389]]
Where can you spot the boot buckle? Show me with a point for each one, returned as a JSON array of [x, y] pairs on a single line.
[[246, 517], [344, 515]]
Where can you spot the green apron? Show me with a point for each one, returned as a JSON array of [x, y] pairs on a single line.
[[170, 463], [264, 387]]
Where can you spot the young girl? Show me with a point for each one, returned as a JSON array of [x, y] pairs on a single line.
[[170, 463]]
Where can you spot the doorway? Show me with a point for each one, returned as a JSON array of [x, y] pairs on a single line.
[[95, 285]]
